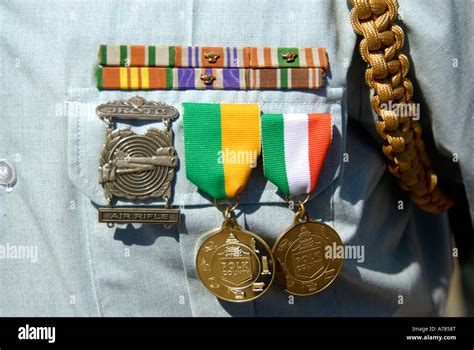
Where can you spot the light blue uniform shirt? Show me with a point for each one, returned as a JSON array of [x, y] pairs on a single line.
[[50, 133]]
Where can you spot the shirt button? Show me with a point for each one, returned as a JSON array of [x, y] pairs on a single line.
[[7, 173]]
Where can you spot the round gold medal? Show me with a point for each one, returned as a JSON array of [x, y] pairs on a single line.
[[235, 265], [307, 257]]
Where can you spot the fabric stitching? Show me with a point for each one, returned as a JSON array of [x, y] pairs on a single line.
[[95, 284], [79, 158]]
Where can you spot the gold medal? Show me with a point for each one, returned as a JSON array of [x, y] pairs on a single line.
[[234, 264], [304, 253]]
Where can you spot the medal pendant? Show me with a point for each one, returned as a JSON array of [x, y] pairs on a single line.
[[234, 264], [303, 266]]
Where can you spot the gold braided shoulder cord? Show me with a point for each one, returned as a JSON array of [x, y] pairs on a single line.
[[386, 75]]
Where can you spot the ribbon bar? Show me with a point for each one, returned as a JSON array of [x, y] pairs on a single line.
[[156, 78], [288, 57], [212, 56]]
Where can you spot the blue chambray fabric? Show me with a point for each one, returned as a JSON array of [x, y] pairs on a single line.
[[50, 133]]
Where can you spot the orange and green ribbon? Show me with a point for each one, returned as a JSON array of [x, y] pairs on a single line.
[[222, 144]]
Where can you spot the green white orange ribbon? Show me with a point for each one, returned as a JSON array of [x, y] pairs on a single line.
[[294, 149], [222, 144]]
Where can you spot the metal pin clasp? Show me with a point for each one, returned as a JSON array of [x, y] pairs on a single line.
[[301, 214], [289, 56], [208, 79], [212, 57], [228, 212]]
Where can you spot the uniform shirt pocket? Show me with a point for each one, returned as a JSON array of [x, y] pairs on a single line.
[[86, 135]]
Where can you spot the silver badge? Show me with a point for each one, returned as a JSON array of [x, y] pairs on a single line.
[[136, 108], [138, 166]]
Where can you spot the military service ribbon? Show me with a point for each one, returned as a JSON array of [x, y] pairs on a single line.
[[288, 57], [294, 149], [212, 56], [222, 144], [159, 78], [140, 67], [137, 56], [285, 79], [174, 56]]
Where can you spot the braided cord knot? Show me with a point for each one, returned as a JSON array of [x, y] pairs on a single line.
[[386, 74]]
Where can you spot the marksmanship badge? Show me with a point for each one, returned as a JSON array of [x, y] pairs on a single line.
[[138, 166]]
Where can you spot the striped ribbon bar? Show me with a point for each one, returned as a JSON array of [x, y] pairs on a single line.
[[221, 78], [136, 78], [294, 149], [222, 144], [285, 78], [137, 56], [156, 78], [174, 56], [288, 57], [212, 56], [215, 57], [159, 78]]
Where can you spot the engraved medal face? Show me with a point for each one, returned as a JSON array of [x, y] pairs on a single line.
[[138, 167], [235, 265], [303, 267]]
